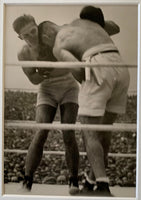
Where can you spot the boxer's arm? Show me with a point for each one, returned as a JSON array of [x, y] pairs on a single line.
[[63, 54], [30, 72], [111, 28], [63, 45]]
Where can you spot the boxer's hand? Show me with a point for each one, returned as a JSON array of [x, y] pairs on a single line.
[[24, 54], [44, 71], [28, 54]]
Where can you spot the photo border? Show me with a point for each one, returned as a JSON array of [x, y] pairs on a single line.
[[3, 3]]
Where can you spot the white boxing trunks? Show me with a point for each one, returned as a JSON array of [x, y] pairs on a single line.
[[58, 90], [108, 86]]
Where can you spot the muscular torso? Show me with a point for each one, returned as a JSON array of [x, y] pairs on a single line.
[[81, 35], [42, 53]]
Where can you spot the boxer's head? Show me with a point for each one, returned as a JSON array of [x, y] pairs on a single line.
[[93, 14], [27, 29]]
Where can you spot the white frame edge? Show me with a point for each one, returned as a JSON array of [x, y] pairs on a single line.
[[1, 95], [57, 2], [138, 174]]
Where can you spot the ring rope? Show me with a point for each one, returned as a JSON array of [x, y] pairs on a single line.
[[52, 126], [35, 90], [34, 125], [19, 151], [55, 125], [47, 64]]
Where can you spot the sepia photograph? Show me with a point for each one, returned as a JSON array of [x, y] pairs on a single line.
[[70, 100]]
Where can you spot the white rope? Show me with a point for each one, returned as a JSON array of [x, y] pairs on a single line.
[[64, 64], [63, 153], [50, 126], [35, 90], [56, 125]]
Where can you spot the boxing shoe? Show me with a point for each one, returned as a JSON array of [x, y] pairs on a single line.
[[102, 190], [73, 186], [87, 186], [27, 183]]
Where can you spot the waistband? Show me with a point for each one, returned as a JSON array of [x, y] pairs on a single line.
[[58, 77], [102, 48]]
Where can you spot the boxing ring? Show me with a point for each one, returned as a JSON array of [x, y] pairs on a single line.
[[20, 124]]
